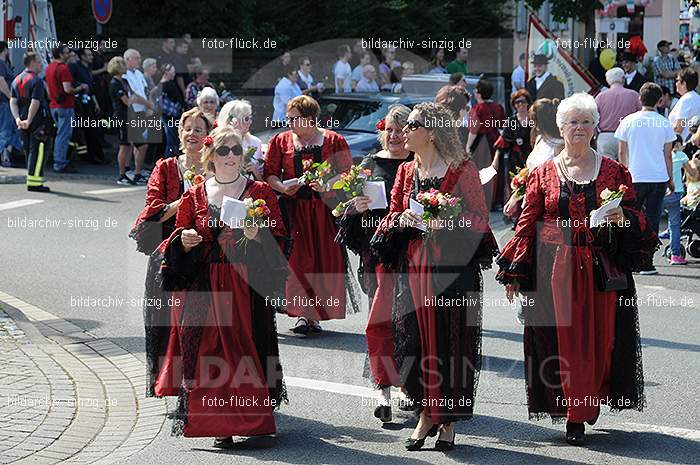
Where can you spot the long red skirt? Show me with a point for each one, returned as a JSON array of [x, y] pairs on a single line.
[[229, 395], [585, 332], [316, 284], [449, 334], [169, 377], [379, 332]]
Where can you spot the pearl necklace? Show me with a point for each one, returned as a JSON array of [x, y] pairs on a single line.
[[565, 170]]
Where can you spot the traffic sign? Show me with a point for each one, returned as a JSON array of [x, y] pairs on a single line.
[[102, 10]]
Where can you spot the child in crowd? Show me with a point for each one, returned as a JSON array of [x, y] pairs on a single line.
[[672, 203]]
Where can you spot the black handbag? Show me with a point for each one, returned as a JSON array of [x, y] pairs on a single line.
[[607, 274]]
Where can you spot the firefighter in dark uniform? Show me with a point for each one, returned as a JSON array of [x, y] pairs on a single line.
[[29, 106]]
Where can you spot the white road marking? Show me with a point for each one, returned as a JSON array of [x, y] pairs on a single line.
[[692, 434], [115, 190], [19, 203], [366, 392]]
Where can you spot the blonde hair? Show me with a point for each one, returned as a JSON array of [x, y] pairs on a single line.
[[234, 110], [192, 113], [397, 114], [116, 66], [439, 122], [219, 134]]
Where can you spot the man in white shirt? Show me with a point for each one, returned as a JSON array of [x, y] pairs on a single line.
[[285, 90], [517, 78], [689, 103], [368, 83], [342, 72], [646, 140], [137, 111]]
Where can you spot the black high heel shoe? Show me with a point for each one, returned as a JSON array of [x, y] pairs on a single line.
[[417, 444], [223, 443], [444, 446], [575, 433], [383, 412]]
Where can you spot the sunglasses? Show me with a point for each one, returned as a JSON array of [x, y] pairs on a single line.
[[413, 124], [248, 118], [520, 101], [224, 150]]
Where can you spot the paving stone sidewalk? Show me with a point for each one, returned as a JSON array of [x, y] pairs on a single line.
[[67, 397]]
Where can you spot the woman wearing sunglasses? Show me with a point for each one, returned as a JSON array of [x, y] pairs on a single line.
[[513, 146], [156, 222], [239, 114], [232, 378], [318, 266], [436, 307]]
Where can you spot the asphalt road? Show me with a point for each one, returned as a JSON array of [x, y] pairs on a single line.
[[73, 245]]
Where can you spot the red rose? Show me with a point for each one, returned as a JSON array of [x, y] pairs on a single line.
[[208, 140], [381, 125], [434, 202]]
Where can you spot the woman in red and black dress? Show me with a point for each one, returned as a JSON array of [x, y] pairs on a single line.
[[436, 305], [356, 228], [168, 181], [318, 266], [581, 340], [232, 378], [513, 146], [485, 120]]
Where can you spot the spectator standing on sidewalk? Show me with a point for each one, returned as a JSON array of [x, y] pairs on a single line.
[[342, 72], [59, 81], [139, 108], [29, 106], [9, 136], [172, 104], [87, 108], [195, 87], [665, 67], [689, 103], [672, 203], [646, 140], [613, 105]]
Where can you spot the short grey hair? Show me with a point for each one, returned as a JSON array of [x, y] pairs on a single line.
[[207, 92], [148, 62], [579, 102], [235, 109], [615, 75]]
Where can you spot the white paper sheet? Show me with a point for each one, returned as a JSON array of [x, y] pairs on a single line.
[[487, 174], [376, 192], [598, 215], [418, 209], [233, 212]]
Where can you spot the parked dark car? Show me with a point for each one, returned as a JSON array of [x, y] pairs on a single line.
[[354, 116]]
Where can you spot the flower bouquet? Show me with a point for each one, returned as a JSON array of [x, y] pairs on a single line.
[[607, 197], [256, 211], [518, 180], [352, 184], [193, 178], [439, 205], [318, 172]]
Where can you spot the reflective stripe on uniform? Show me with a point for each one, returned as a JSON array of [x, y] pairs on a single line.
[[35, 181], [39, 161]]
